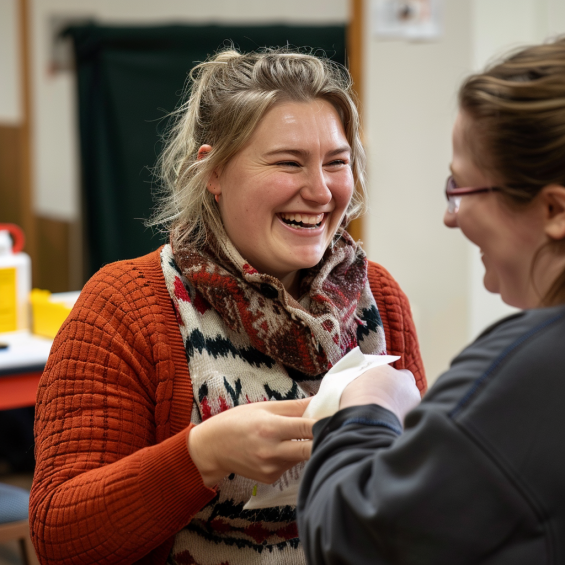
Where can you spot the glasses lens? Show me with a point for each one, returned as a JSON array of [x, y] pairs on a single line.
[[453, 204], [452, 200]]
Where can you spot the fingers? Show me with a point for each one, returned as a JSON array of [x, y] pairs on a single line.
[[294, 428], [295, 451], [287, 407]]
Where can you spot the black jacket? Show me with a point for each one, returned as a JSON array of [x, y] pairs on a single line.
[[477, 476]]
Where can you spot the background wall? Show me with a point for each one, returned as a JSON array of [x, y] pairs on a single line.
[[55, 148], [410, 107], [10, 111], [410, 104]]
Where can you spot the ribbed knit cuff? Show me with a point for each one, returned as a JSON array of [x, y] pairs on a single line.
[[170, 483]]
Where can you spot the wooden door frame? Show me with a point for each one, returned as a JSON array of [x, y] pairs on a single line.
[[355, 52], [25, 138], [47, 239]]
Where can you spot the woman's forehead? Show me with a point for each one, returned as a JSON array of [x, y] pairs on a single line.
[[299, 123]]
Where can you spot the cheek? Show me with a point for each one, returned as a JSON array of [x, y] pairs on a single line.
[[474, 224], [342, 187], [272, 190], [470, 232]]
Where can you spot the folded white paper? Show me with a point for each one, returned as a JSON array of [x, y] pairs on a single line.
[[326, 403], [346, 370]]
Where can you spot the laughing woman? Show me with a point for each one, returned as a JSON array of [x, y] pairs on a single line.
[[477, 475], [154, 415]]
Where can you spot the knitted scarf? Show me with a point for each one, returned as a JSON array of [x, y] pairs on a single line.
[[248, 340]]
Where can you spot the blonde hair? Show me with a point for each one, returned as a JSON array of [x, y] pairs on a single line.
[[517, 111], [227, 97]]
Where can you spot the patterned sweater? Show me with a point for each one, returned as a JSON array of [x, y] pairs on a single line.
[[114, 481]]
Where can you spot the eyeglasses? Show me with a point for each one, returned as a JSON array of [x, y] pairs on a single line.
[[454, 194]]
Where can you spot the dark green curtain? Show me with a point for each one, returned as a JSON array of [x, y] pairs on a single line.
[[129, 79]]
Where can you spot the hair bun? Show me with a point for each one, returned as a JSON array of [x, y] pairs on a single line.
[[226, 56]]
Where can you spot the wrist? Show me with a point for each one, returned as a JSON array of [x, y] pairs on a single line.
[[201, 453], [363, 399]]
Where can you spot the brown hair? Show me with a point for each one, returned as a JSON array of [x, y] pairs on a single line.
[[228, 95], [517, 110]]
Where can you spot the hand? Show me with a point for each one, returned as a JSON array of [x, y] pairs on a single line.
[[394, 390], [254, 441]]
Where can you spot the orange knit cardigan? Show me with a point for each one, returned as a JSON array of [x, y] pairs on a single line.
[[114, 481]]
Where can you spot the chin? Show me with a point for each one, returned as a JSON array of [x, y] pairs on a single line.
[[305, 265], [516, 300], [491, 283], [308, 260]]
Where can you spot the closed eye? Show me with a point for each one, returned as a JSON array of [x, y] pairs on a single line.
[[337, 163], [288, 164]]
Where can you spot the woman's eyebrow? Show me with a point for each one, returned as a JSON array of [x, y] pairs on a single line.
[[297, 152], [343, 149], [304, 152]]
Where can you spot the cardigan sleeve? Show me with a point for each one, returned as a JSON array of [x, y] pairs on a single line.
[[108, 486], [400, 332]]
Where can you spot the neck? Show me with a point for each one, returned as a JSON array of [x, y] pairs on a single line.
[[291, 283], [549, 268]]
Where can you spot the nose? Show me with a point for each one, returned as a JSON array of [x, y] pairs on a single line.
[[450, 219], [316, 188]]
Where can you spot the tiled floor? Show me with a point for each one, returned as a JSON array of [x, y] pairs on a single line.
[[9, 552]]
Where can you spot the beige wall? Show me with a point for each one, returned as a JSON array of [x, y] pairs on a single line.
[[410, 107], [10, 110]]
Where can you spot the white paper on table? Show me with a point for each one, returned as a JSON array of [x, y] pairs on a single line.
[[326, 403], [25, 351]]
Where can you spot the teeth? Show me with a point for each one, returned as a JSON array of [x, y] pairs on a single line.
[[306, 219]]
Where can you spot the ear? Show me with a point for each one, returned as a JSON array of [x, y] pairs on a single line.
[[553, 197], [203, 152], [213, 184]]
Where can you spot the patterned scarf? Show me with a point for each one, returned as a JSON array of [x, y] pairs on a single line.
[[248, 340], [334, 313]]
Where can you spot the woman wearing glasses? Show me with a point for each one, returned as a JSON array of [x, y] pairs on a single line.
[[477, 474]]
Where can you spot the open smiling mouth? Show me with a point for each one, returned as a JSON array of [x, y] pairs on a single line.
[[302, 221]]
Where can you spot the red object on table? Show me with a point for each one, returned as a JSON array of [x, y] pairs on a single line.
[[17, 236], [19, 390]]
